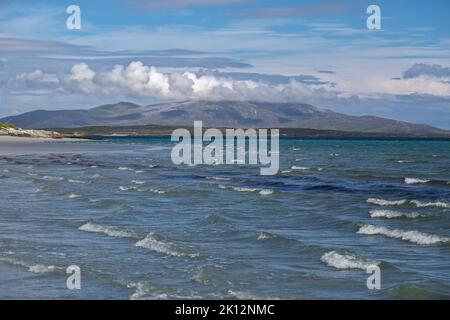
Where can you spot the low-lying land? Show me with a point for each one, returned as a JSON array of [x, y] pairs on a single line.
[[155, 130]]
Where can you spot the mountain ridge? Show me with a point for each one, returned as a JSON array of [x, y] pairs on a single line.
[[224, 113]]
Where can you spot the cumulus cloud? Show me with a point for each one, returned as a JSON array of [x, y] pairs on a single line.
[[140, 80], [36, 79], [421, 69]]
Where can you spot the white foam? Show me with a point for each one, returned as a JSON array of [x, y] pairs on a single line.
[[122, 188], [299, 168], [417, 203], [108, 230], [74, 195], [346, 261], [39, 268], [152, 243], [52, 178], [130, 169], [77, 181], [415, 181], [382, 202], [266, 192], [390, 214], [411, 236], [438, 204], [263, 192], [137, 181], [35, 268], [218, 178], [263, 236]]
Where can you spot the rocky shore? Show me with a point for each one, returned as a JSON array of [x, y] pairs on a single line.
[[18, 132]]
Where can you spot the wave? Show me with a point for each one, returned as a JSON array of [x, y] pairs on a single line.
[[382, 202], [263, 192], [74, 195], [137, 182], [346, 261], [52, 178], [218, 178], [299, 168], [411, 236], [264, 236], [390, 214], [35, 268], [417, 203], [438, 204], [416, 181], [153, 243], [130, 169], [77, 181], [108, 230], [122, 188]]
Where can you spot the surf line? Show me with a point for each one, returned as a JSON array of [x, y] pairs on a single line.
[[193, 151]]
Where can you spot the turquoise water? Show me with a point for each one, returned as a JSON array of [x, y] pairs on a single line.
[[140, 227]]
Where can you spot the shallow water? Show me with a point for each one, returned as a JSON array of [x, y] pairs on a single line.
[[140, 227]]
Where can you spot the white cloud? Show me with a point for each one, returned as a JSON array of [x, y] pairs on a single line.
[[140, 80]]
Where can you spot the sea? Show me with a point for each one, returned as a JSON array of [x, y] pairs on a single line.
[[139, 227]]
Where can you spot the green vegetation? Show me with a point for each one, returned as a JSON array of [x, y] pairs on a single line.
[[166, 131], [7, 126]]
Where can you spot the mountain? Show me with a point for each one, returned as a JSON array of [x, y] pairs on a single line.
[[218, 114]]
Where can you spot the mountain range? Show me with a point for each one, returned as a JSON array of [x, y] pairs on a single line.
[[234, 114]]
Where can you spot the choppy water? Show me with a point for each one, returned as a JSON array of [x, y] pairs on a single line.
[[140, 227]]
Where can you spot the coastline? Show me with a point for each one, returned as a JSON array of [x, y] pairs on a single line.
[[13, 139]]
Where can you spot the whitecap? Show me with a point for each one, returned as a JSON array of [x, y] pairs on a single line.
[[77, 181], [108, 230], [74, 195], [411, 236], [218, 178], [415, 181], [152, 243], [39, 268], [346, 261], [390, 214], [438, 204], [299, 168], [137, 181], [35, 268], [263, 192], [382, 202], [263, 236]]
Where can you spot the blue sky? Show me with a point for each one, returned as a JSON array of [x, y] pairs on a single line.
[[319, 52]]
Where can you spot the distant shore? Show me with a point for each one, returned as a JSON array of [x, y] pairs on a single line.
[[166, 131], [12, 139]]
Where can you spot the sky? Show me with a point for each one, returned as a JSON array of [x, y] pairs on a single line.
[[317, 52]]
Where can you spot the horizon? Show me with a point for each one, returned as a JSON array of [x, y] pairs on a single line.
[[153, 52]]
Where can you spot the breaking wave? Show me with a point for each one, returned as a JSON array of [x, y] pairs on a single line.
[[415, 181], [346, 261], [154, 243], [390, 214], [411, 236], [108, 230]]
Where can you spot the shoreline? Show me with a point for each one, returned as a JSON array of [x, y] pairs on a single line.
[[33, 139]]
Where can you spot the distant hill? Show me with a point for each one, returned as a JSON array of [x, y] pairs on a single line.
[[219, 114]]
